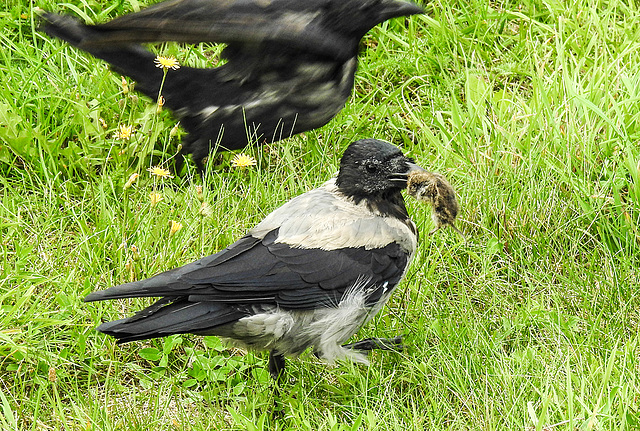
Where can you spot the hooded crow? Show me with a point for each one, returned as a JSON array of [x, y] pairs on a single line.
[[310, 274], [289, 67]]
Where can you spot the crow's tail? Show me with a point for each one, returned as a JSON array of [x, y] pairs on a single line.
[[170, 316], [129, 59]]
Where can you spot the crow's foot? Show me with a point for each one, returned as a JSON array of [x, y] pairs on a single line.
[[377, 344]]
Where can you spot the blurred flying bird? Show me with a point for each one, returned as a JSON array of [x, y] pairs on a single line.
[[289, 67], [310, 274]]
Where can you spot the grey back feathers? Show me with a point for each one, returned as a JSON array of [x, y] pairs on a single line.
[[340, 224]]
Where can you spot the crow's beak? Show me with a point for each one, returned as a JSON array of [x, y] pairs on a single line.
[[413, 168], [395, 8], [404, 177]]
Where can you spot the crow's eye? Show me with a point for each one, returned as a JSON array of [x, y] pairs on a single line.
[[371, 167]]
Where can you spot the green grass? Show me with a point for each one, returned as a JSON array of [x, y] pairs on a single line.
[[530, 108]]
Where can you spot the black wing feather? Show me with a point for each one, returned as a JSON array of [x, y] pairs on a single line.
[[172, 316], [263, 271]]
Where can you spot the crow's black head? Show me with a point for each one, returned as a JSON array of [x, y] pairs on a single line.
[[357, 17], [373, 169]]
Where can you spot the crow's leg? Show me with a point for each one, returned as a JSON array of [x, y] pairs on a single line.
[[377, 343], [276, 369], [276, 365]]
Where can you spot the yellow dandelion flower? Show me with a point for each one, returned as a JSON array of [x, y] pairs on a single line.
[[167, 63], [175, 227], [243, 161], [160, 172], [155, 197], [124, 132], [132, 179]]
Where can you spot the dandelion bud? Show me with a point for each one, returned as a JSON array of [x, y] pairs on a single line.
[[205, 210], [52, 375], [160, 104], [132, 179], [174, 130], [130, 268], [125, 86], [135, 254], [199, 193]]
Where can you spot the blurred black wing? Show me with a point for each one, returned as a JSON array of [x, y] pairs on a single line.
[[290, 23]]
